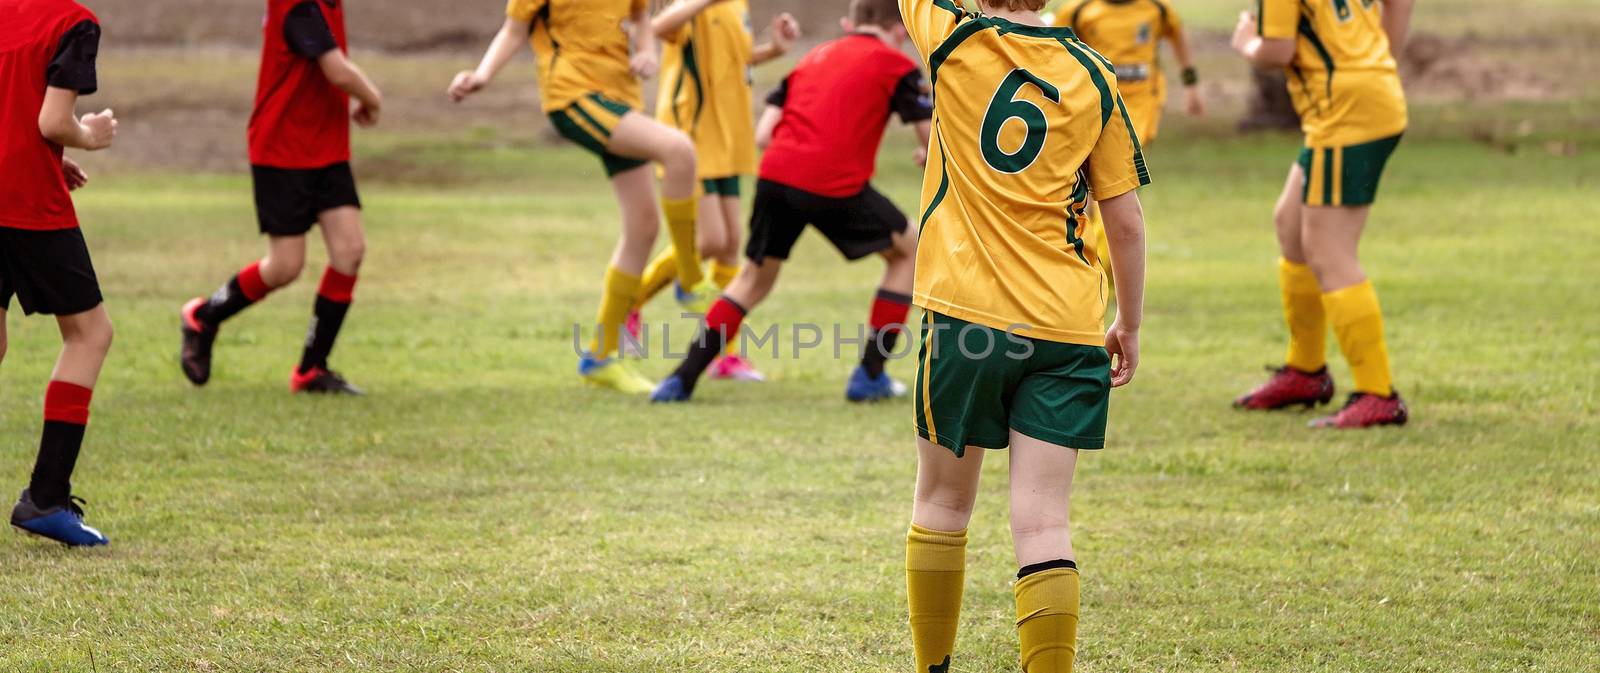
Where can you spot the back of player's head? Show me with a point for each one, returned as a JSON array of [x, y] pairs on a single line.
[[1018, 5], [880, 13]]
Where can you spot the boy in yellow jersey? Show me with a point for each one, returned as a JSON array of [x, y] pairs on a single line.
[[1129, 33], [1343, 78], [1028, 125], [705, 92], [589, 81]]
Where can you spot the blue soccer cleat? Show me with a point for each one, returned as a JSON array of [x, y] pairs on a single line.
[[864, 388], [63, 524], [670, 390]]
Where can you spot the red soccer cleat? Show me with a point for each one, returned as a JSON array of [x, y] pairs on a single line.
[[1365, 410], [1289, 387]]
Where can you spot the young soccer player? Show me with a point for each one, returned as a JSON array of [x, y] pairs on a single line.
[[1352, 122], [1129, 33], [590, 89], [48, 50], [1028, 125], [821, 129], [300, 163], [705, 92]]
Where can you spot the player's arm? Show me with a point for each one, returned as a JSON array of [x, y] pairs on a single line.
[[344, 73], [929, 22], [772, 115], [1261, 40], [1124, 222], [666, 25], [645, 61], [72, 73], [913, 101], [1397, 23], [505, 45], [781, 37], [1193, 104], [924, 136]]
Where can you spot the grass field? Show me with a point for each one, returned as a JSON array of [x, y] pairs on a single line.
[[482, 511]]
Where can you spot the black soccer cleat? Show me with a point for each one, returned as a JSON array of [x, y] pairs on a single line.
[[198, 338], [322, 381]]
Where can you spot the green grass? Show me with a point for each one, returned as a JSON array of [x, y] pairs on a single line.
[[482, 511]]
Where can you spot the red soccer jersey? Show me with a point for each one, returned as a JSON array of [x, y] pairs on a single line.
[[836, 104], [33, 192], [301, 120]]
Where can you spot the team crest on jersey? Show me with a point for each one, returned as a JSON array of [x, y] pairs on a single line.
[[1144, 34]]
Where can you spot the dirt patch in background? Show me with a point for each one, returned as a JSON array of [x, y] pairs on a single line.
[[1473, 69]]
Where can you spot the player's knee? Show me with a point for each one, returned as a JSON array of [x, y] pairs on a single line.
[[349, 255], [949, 500], [93, 333], [679, 156], [281, 270]]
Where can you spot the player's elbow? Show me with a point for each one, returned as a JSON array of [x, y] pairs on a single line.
[[1275, 53], [56, 127], [338, 70], [1124, 217]]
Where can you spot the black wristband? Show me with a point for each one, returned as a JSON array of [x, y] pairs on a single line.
[[1191, 77]]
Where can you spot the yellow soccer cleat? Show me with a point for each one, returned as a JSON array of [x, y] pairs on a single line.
[[616, 374]]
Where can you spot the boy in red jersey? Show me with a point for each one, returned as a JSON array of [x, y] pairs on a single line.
[[48, 50], [300, 163], [821, 130]]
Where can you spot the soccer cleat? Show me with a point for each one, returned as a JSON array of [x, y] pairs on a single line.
[[634, 347], [864, 388], [320, 381], [63, 523], [735, 368], [697, 299], [670, 390], [1289, 387], [614, 373], [1365, 410], [195, 356]]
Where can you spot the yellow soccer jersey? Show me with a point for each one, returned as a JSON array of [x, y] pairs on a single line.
[[1129, 32], [582, 49], [1027, 122], [1343, 79], [705, 88]]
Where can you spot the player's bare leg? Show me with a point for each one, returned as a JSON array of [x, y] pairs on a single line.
[[723, 251], [639, 137], [1303, 379], [936, 546], [346, 242], [1047, 584]]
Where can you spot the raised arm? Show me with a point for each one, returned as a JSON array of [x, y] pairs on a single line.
[[1397, 23], [1262, 51], [505, 45], [343, 73], [58, 122], [672, 19]]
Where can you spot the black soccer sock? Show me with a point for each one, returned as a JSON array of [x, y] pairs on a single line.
[[722, 322], [66, 415], [236, 295], [333, 302]]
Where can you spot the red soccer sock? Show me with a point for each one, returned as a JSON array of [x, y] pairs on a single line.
[[722, 324], [66, 416], [890, 310], [333, 302]]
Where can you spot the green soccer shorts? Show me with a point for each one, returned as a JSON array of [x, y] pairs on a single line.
[[589, 122], [728, 186], [975, 384], [1345, 176]]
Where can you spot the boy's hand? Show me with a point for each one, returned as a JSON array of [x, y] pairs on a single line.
[[785, 31], [920, 156], [466, 83], [1245, 32], [1193, 104], [366, 115], [644, 64], [74, 174], [1122, 345], [99, 130]]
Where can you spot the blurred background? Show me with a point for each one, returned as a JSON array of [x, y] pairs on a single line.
[[181, 75]]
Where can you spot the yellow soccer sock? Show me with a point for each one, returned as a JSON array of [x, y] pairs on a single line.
[[936, 568], [622, 290], [1047, 620], [681, 215], [1358, 323], [658, 276], [722, 274], [1302, 311]]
